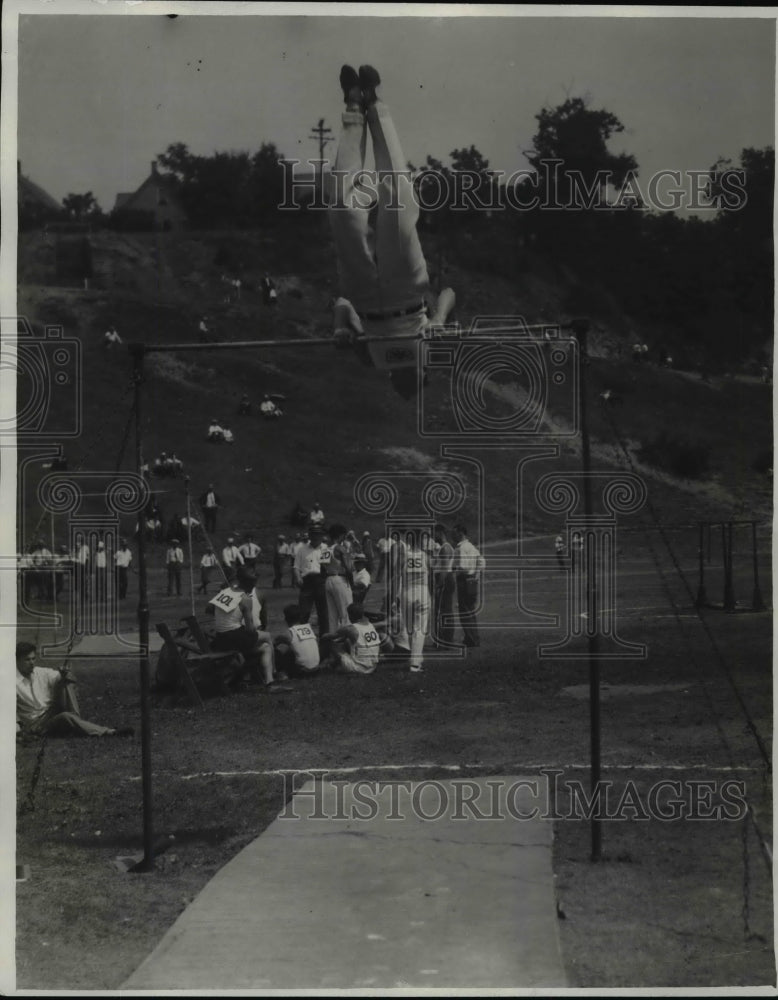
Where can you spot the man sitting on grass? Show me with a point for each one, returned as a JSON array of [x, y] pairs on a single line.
[[355, 648], [46, 703], [297, 649]]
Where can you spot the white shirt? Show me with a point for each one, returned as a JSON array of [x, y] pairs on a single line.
[[174, 554], [316, 516], [210, 500], [100, 559], [305, 646], [231, 554], [250, 550], [123, 557], [35, 694], [209, 560], [308, 559], [362, 578], [82, 555], [467, 558]]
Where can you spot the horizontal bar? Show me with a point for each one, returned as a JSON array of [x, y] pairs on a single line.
[[318, 341]]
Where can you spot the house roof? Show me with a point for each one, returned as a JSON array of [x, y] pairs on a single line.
[[32, 194], [124, 201]]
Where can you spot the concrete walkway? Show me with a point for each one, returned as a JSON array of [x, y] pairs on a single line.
[[352, 887]]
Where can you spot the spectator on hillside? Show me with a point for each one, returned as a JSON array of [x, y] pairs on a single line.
[[204, 334], [215, 431], [269, 410], [210, 503], [269, 293], [231, 557], [208, 563], [244, 406], [297, 649], [174, 560], [299, 516], [227, 435], [317, 514], [559, 548], [46, 702], [111, 337]]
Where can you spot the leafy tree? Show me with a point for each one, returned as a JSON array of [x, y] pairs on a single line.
[[81, 206]]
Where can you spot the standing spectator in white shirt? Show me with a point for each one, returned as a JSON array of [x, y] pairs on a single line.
[[308, 577], [281, 554], [174, 560], [122, 559], [467, 564], [101, 572], [111, 337], [384, 546], [250, 552], [210, 502], [81, 565], [231, 557], [444, 588], [207, 563]]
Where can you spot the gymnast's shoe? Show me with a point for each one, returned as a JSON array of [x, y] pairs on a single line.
[[352, 91], [368, 81]]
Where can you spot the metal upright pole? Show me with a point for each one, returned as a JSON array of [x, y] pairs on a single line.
[[702, 598], [581, 329], [138, 353], [757, 602], [189, 534], [729, 587]]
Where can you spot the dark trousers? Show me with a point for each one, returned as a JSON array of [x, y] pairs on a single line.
[[121, 581], [209, 514], [444, 611], [467, 601], [278, 572], [312, 593], [174, 578]]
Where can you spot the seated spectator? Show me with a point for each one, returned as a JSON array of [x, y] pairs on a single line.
[[355, 648], [228, 436], [268, 409], [215, 431], [269, 293], [297, 649], [244, 406], [111, 337], [317, 514], [299, 515], [46, 703]]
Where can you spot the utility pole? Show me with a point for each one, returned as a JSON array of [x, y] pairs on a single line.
[[320, 133]]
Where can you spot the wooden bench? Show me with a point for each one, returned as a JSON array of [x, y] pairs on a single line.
[[189, 660]]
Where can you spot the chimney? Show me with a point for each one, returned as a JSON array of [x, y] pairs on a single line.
[[154, 167]]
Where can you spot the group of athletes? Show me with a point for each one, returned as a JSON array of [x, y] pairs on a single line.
[[430, 584]]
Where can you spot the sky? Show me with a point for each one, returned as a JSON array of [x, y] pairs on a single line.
[[101, 94]]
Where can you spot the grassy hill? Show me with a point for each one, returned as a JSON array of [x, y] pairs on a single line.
[[342, 419]]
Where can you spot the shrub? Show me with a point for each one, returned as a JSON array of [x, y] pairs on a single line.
[[674, 454]]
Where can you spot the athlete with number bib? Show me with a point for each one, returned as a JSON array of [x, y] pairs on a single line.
[[239, 621], [297, 650], [410, 595], [356, 648]]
